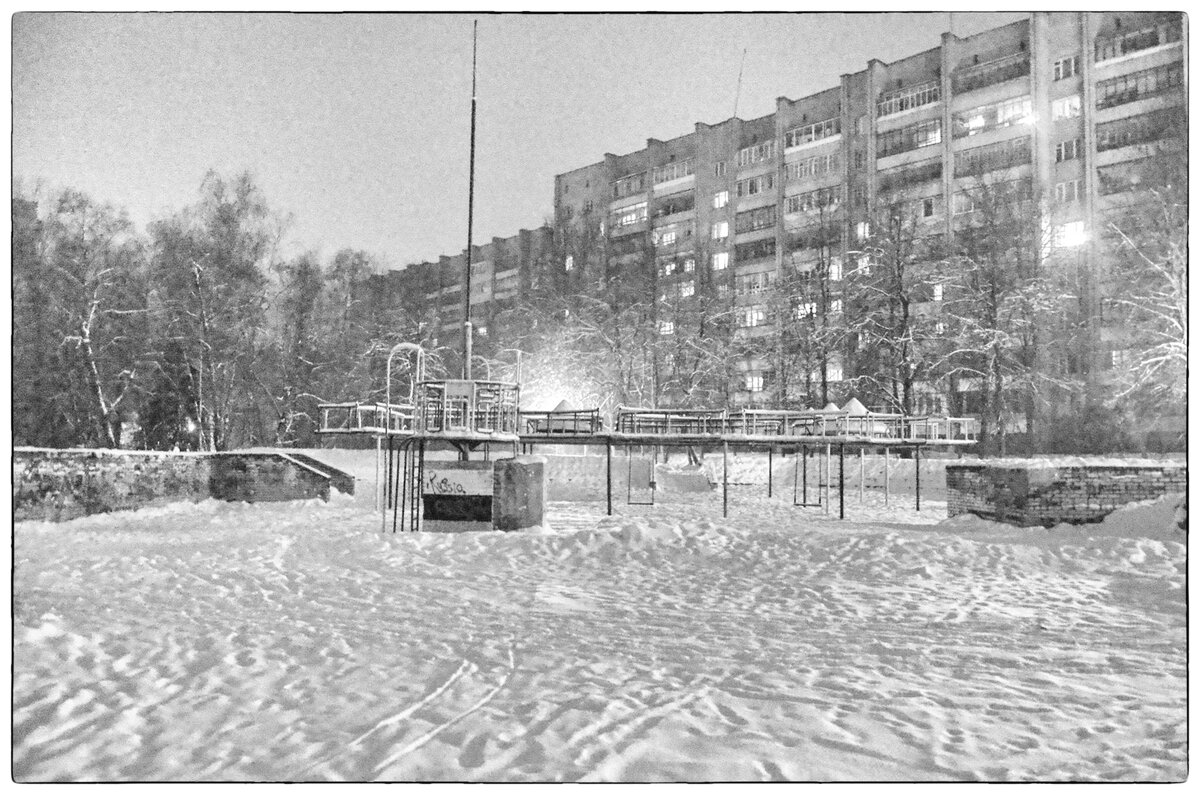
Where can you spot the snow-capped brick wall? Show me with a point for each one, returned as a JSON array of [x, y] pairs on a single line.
[[1034, 492], [64, 484]]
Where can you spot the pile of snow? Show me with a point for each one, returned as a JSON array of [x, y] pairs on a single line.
[[295, 642]]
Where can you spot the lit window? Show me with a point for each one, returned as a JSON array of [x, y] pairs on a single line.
[[754, 382], [689, 265], [938, 292], [569, 263], [939, 327], [803, 310], [720, 199], [720, 261], [1069, 235], [720, 230], [863, 230], [666, 327], [667, 238], [835, 307], [1018, 110], [1067, 67], [752, 316], [626, 216], [833, 371], [1065, 108], [1067, 150], [835, 269], [667, 268], [687, 289], [481, 331]]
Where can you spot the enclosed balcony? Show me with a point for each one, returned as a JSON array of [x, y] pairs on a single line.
[[903, 99], [978, 76], [1163, 32]]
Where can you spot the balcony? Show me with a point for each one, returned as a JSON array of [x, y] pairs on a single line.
[[1138, 40], [908, 98], [899, 178], [1143, 129], [1139, 85], [978, 76]]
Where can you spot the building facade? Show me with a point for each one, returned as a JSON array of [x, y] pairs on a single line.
[[771, 223]]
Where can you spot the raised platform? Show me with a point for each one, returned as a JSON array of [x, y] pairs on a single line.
[[660, 427]]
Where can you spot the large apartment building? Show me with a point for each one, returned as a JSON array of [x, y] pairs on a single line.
[[1061, 105]]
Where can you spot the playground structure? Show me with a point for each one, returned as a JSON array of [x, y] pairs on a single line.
[[475, 417]]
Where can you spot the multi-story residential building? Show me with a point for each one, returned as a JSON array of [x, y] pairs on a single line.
[[766, 222], [430, 300], [1057, 107]]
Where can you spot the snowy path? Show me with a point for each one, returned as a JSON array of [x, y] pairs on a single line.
[[294, 642]]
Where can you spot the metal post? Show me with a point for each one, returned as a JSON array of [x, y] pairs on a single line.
[[770, 472], [795, 480], [804, 458], [725, 478], [886, 477], [419, 498], [378, 467], [402, 485], [608, 456], [828, 476], [862, 472], [917, 468], [841, 481]]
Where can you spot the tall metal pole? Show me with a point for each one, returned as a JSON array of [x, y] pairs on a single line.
[[470, 217]]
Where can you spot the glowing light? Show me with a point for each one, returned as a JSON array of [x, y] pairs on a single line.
[[1070, 235]]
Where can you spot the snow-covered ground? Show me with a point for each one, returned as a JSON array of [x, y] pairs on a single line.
[[294, 641]]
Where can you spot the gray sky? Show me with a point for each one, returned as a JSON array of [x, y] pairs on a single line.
[[358, 125]]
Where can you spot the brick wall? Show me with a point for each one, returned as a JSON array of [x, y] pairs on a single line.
[[1031, 493], [64, 484]]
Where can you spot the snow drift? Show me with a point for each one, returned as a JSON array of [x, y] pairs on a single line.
[[295, 642]]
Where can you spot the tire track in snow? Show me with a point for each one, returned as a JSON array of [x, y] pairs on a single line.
[[466, 667], [436, 730], [615, 736]]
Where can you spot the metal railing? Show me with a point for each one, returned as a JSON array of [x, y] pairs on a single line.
[[366, 417], [561, 422], [768, 422], [458, 406]]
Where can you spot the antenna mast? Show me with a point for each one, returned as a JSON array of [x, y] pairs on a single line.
[[737, 95], [470, 217]]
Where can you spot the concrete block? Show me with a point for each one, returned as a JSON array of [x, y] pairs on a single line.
[[519, 493]]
